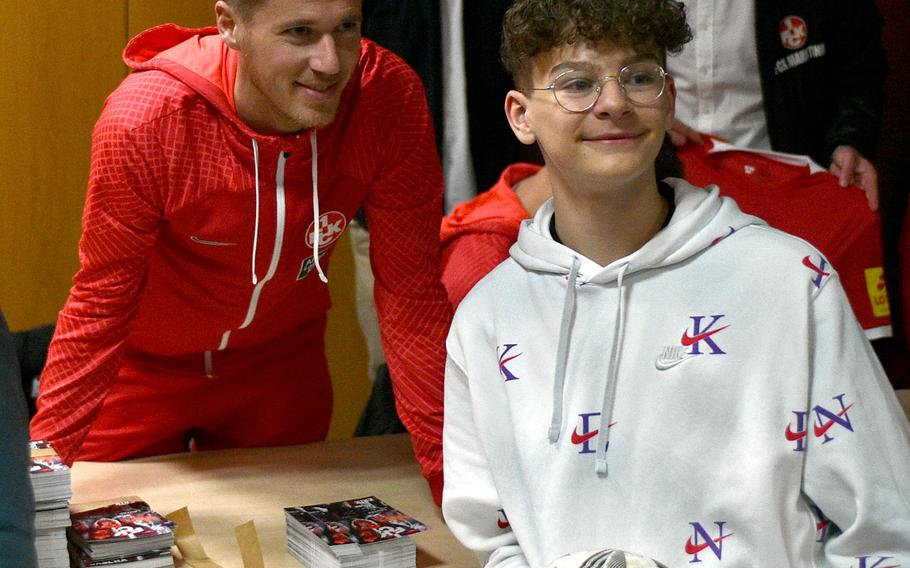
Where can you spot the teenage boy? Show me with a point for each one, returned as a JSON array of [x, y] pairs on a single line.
[[653, 370], [224, 169]]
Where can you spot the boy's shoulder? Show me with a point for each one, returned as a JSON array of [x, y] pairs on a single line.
[[767, 246]]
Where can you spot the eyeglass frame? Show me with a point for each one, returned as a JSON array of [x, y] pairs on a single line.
[[599, 89]]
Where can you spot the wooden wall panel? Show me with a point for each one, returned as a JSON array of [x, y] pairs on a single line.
[[345, 347], [144, 14], [58, 61]]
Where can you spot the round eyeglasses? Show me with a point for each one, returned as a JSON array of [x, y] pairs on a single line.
[[577, 91]]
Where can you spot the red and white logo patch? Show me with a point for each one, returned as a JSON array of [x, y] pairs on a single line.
[[793, 32], [331, 225]]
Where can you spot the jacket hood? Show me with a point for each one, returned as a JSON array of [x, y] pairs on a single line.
[[199, 59], [497, 210], [195, 56], [702, 218]]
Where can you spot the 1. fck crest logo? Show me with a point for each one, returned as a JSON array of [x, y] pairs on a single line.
[[793, 32], [331, 225], [825, 420], [703, 334], [701, 539], [504, 358]]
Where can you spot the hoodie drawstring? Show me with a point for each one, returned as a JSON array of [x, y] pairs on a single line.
[[280, 214], [256, 228], [606, 412], [317, 234], [562, 352]]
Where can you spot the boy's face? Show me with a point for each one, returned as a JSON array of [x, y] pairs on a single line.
[[296, 56], [615, 141]]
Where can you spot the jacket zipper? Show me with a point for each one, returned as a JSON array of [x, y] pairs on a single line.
[[280, 211]]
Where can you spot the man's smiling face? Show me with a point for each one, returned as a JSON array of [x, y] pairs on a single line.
[[296, 56]]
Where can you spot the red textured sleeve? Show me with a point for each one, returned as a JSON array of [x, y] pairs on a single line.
[[404, 212], [119, 226], [469, 258]]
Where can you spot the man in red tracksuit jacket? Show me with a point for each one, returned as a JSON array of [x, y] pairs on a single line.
[[224, 169]]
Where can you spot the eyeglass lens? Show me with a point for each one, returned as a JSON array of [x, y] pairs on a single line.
[[577, 91]]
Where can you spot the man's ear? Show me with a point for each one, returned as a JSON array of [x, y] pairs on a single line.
[[517, 113], [227, 21]]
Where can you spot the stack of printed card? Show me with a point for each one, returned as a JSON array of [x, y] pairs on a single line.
[[356, 533], [125, 532], [50, 479]]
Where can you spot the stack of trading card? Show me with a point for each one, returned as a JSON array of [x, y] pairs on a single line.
[[50, 479], [122, 532], [354, 533]]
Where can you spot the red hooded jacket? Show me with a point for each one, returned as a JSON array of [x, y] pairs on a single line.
[[477, 234], [198, 241]]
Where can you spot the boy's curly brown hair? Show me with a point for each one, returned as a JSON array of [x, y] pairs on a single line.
[[531, 27]]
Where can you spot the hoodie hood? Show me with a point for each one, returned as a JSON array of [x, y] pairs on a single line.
[[195, 56], [702, 217]]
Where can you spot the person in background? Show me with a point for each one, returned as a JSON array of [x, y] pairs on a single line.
[[653, 370], [454, 48], [224, 170], [477, 235], [17, 507], [797, 77]]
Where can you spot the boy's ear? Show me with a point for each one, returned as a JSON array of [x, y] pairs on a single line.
[[671, 94], [226, 20], [517, 113]]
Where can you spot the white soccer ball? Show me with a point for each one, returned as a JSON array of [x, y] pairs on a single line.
[[605, 558]]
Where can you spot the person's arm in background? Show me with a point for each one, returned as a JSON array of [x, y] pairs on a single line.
[[860, 66], [680, 133], [119, 226], [404, 211], [17, 507], [477, 235]]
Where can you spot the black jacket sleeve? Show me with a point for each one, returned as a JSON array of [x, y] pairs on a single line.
[[17, 509], [828, 91]]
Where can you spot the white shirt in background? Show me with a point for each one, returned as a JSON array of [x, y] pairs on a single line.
[[717, 78], [457, 166]]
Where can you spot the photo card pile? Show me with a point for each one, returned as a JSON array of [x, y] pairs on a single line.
[[51, 485], [125, 532], [352, 534]]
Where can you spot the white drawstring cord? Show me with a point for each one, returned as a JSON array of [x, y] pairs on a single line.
[[562, 352], [317, 234], [256, 229]]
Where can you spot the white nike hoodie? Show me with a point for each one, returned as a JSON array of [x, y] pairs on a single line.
[[709, 398]]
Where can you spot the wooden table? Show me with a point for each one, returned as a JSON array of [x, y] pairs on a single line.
[[224, 489]]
